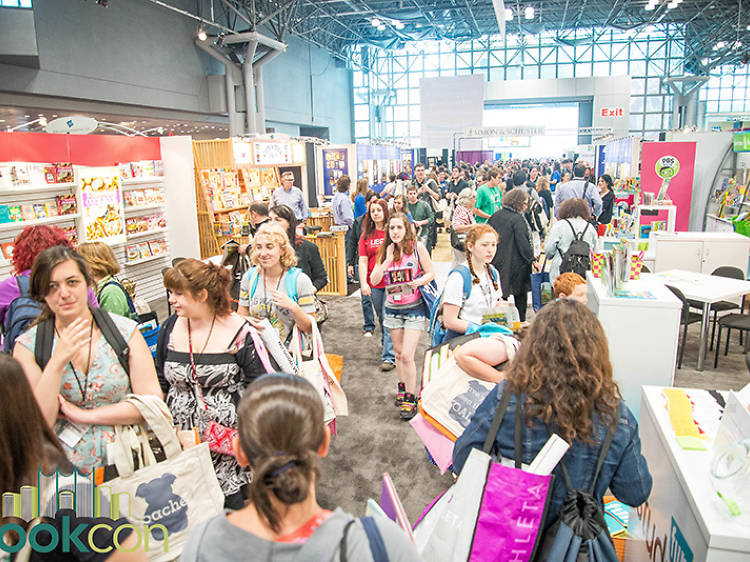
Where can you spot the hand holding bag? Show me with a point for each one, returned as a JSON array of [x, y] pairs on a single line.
[[175, 494]]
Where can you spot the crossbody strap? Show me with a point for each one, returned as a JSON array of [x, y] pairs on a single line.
[[374, 538], [113, 336], [497, 421]]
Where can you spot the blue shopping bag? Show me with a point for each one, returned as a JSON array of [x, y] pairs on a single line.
[[541, 290]]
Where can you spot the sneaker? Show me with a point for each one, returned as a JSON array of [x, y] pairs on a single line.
[[367, 334], [400, 396], [387, 366], [408, 406]]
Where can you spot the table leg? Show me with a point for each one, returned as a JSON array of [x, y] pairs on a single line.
[[704, 335]]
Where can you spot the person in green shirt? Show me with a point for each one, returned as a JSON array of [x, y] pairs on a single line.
[[489, 197], [103, 266], [423, 215]]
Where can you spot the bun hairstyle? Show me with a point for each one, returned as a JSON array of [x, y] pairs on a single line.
[[474, 234], [194, 276], [280, 423]]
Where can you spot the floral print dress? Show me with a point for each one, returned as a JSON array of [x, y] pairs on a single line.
[[108, 383]]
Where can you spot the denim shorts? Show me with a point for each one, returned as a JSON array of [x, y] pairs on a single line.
[[409, 318]]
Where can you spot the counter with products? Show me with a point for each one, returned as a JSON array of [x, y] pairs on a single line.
[[684, 519]]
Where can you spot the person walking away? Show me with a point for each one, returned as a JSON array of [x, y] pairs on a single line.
[[291, 196], [515, 254], [573, 224], [405, 265], [579, 188]]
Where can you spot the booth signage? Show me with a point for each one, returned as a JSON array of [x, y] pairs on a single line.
[[667, 170], [335, 165], [741, 141], [667, 167], [272, 153], [504, 131], [75, 125], [612, 112], [102, 206]]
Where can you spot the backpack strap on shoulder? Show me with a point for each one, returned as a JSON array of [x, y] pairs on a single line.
[[377, 545], [45, 333], [113, 336], [605, 447], [253, 276], [162, 341], [291, 283]]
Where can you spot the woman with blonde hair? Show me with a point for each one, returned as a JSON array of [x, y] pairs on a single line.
[[205, 357], [103, 266], [405, 265], [275, 288], [463, 313]]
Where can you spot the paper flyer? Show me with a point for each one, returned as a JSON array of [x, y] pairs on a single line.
[[102, 211]]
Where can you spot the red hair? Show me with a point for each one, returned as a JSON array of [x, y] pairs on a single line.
[[32, 241]]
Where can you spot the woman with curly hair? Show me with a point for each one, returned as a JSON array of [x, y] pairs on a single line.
[[31, 242], [274, 288], [563, 375]]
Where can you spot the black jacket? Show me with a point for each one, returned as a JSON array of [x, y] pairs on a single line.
[[310, 262], [608, 205], [352, 241], [514, 254]]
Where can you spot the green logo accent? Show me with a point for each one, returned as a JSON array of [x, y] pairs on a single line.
[[667, 167]]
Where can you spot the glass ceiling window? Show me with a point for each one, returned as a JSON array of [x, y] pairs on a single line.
[[15, 3]]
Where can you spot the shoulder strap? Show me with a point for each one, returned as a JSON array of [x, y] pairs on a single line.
[[23, 283], [162, 341], [585, 187], [466, 277], [575, 234], [113, 336], [116, 283], [253, 276], [291, 283], [502, 405], [45, 331], [377, 546]]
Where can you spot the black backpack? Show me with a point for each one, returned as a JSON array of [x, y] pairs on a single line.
[[580, 533], [577, 258], [45, 334], [22, 311]]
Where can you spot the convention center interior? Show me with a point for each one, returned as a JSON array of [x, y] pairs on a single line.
[[443, 280]]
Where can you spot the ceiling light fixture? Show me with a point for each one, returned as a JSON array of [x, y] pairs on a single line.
[[671, 5], [508, 14], [381, 27], [719, 45], [528, 12], [375, 22], [651, 5], [398, 25], [202, 34]]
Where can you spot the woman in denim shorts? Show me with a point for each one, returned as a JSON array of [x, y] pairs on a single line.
[[405, 265]]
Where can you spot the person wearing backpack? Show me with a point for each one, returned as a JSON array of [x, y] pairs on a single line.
[[281, 438], [473, 287], [571, 240], [563, 375], [81, 361], [274, 288], [103, 267], [17, 308]]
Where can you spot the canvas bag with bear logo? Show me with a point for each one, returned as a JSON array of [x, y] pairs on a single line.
[[179, 492]]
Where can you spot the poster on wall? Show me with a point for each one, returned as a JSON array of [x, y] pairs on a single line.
[[102, 211], [667, 172], [271, 153], [335, 165]]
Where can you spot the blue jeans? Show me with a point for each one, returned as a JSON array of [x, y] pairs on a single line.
[[368, 314], [378, 301]]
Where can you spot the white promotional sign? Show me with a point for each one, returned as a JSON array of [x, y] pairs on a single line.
[[504, 131], [74, 125]]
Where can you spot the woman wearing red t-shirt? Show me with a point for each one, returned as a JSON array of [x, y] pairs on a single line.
[[373, 236]]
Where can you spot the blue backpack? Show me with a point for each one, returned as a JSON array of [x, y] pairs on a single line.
[[437, 331], [22, 311], [128, 298], [290, 283]]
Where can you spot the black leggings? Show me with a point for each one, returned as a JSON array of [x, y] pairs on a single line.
[[520, 300]]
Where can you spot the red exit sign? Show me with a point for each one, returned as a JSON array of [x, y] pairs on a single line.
[[612, 112]]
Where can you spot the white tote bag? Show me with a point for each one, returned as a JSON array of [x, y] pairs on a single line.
[[318, 372], [451, 397], [175, 494]]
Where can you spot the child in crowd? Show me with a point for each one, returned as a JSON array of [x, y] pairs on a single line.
[[570, 285], [405, 265], [281, 437]]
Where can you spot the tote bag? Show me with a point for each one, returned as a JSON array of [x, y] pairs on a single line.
[[492, 512], [541, 288], [451, 396], [175, 494], [317, 371]]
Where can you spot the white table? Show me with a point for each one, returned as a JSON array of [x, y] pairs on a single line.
[[680, 520], [642, 334], [708, 289]]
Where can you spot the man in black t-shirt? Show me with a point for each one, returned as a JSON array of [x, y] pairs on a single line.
[[456, 184]]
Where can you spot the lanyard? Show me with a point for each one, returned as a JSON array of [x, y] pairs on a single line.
[[82, 387], [192, 360]]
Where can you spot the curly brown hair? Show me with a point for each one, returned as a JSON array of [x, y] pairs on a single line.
[[571, 208], [564, 370]]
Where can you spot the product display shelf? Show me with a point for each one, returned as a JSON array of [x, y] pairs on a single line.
[[207, 155], [134, 183], [20, 225], [718, 217], [143, 260], [333, 253], [149, 207], [31, 189], [146, 234]]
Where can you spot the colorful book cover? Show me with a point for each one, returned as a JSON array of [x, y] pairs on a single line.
[[156, 247], [40, 211], [66, 204], [64, 171], [7, 248], [143, 250], [19, 174], [128, 199], [4, 214], [51, 208], [131, 252], [158, 168], [616, 515], [139, 198], [27, 212], [148, 168], [14, 211], [50, 174], [125, 171]]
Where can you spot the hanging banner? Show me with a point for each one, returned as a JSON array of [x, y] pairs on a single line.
[[102, 212], [335, 165], [667, 172]]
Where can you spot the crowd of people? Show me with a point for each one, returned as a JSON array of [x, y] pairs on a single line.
[[72, 330]]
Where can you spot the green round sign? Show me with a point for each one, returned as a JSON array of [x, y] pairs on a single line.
[[667, 167]]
